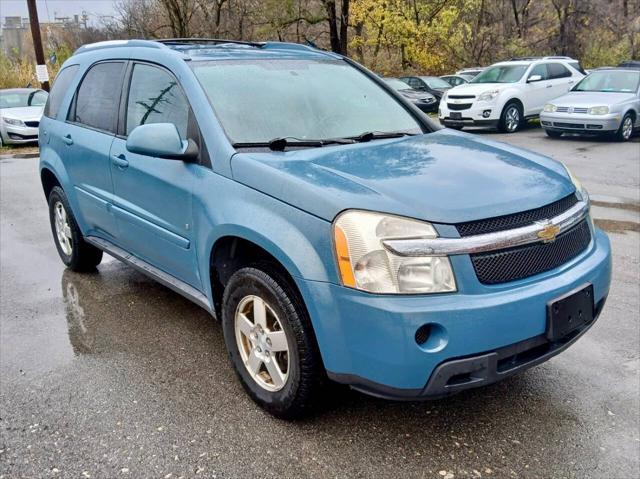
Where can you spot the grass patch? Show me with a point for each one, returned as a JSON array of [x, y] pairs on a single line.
[[28, 148]]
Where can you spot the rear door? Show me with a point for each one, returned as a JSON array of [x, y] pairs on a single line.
[[561, 78], [152, 196], [86, 140]]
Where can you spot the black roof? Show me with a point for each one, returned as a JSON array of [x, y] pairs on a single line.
[[630, 64]]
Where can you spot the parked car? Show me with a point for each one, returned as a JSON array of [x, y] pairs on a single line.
[[607, 101], [426, 102], [20, 112], [434, 85], [334, 229], [507, 94], [455, 80], [630, 64]]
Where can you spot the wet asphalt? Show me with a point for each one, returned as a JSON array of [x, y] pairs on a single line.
[[109, 374]]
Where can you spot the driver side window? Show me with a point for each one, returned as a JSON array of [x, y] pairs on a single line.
[[156, 97], [541, 70]]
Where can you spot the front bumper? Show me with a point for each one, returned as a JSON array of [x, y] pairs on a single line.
[[480, 113], [12, 134], [572, 122], [368, 341], [426, 107]]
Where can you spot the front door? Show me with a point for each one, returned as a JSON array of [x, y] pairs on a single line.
[[538, 92], [152, 196]]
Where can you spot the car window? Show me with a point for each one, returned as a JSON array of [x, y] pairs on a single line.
[[542, 70], [59, 89], [578, 67], [22, 98], [610, 81], [501, 74], [98, 97], [397, 84], [260, 100], [558, 70], [156, 97], [436, 83]]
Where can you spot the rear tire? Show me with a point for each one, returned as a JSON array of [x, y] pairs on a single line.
[[284, 378], [75, 253], [511, 118], [553, 133]]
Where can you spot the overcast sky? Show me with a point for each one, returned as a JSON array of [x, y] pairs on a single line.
[[47, 9]]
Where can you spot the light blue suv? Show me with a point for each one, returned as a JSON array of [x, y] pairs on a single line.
[[332, 227]]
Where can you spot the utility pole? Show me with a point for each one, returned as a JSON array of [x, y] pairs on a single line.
[[41, 68]]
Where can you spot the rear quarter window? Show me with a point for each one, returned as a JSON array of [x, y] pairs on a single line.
[[60, 86]]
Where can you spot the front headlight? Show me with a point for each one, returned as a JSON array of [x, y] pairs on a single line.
[[581, 192], [550, 108], [444, 95], [365, 264], [13, 121], [488, 95], [598, 110]]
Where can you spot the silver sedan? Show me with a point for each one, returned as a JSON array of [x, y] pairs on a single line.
[[20, 113], [607, 101]]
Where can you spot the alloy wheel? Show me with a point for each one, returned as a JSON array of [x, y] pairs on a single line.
[[512, 118], [63, 230], [627, 128], [262, 343]]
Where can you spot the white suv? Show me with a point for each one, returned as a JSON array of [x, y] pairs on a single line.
[[508, 93]]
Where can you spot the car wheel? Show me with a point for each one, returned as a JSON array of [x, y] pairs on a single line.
[[271, 342], [553, 133], [77, 254], [626, 129], [511, 118]]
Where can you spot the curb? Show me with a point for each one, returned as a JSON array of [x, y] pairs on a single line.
[[20, 155]]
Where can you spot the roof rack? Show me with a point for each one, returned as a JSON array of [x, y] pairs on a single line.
[[117, 44], [199, 41], [549, 57]]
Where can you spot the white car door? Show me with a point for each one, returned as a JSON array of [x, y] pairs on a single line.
[[537, 91], [561, 78]]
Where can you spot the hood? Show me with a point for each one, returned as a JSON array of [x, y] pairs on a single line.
[[25, 113], [591, 98], [476, 88], [415, 94], [443, 177]]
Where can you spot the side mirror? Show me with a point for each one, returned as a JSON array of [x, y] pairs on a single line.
[[534, 78], [161, 140]]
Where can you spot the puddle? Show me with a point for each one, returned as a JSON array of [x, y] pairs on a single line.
[[617, 226]]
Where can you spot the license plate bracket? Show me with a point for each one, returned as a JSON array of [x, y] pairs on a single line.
[[569, 312], [455, 115]]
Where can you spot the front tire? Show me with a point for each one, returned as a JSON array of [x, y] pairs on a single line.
[[271, 342], [511, 118], [626, 129], [75, 253], [553, 133]]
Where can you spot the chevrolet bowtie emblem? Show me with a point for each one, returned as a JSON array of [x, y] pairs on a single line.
[[548, 232]]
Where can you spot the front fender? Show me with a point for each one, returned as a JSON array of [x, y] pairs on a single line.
[[301, 242]]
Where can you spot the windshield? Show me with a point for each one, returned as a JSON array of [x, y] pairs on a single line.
[[397, 84], [259, 100], [436, 83], [20, 99], [501, 74], [614, 81]]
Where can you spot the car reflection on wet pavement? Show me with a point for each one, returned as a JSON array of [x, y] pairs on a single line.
[[110, 374]]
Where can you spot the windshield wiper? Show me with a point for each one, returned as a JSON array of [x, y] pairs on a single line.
[[375, 135], [281, 143]]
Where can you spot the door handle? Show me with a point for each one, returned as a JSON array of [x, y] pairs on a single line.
[[570, 82], [68, 140], [120, 161], [549, 86]]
